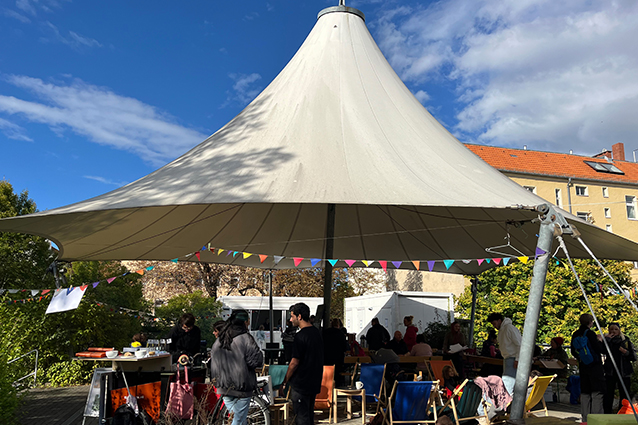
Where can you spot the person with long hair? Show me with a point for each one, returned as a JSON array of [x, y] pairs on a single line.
[[235, 356], [452, 337], [410, 332], [623, 352]]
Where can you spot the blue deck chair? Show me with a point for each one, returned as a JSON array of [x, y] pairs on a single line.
[[372, 378], [411, 402], [466, 408]]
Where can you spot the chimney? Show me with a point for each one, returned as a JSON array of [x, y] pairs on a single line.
[[604, 153], [618, 151]]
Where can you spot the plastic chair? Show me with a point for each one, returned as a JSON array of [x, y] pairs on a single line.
[[325, 398], [540, 384], [411, 402], [465, 409]]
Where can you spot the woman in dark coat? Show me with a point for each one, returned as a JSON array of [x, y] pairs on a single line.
[[623, 352]]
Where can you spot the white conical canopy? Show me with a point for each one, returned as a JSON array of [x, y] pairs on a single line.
[[336, 126]]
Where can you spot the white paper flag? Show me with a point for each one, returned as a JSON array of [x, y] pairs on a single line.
[[65, 299]]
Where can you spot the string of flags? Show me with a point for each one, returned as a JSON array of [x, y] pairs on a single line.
[[29, 300]]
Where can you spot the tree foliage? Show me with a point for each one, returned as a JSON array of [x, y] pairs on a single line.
[[506, 290], [205, 309]]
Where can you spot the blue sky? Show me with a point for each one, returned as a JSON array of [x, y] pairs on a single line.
[[94, 95]]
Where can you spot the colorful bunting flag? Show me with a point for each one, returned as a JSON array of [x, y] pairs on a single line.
[[506, 260], [350, 262], [430, 265], [297, 261], [174, 260], [95, 284], [488, 260], [149, 268], [539, 252], [397, 264], [141, 272], [523, 259], [199, 258], [111, 279], [448, 263], [384, 265], [277, 259], [333, 262], [480, 261], [417, 264], [262, 257], [246, 254], [314, 261], [467, 261], [219, 251]]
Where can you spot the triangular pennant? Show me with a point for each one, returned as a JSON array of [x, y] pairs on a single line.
[[83, 287], [235, 253], [350, 262], [141, 272], [68, 291], [13, 291], [417, 264], [174, 260], [34, 292], [314, 261], [333, 262], [480, 261], [506, 260], [467, 261], [262, 257], [523, 259], [488, 260], [497, 261], [149, 268], [199, 257], [278, 258], [228, 253], [96, 283], [539, 252], [365, 262], [204, 248], [431, 265], [111, 279], [46, 291], [397, 264], [219, 251], [384, 265], [448, 263], [246, 254], [297, 260], [370, 262]]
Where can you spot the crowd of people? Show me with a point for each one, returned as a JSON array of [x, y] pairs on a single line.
[[236, 356]]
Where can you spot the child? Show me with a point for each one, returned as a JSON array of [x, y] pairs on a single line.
[[450, 381]]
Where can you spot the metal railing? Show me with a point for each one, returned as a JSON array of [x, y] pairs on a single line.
[[35, 369]]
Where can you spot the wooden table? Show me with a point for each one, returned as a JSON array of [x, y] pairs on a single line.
[[482, 359], [157, 363]]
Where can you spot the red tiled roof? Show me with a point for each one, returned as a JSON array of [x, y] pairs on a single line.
[[552, 164]]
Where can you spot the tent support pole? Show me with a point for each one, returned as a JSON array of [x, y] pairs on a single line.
[[473, 314], [270, 311], [327, 277], [545, 237]]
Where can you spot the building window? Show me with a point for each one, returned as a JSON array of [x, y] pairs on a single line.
[[608, 228], [607, 213], [631, 207], [531, 188], [583, 215], [559, 198], [581, 190], [605, 192]]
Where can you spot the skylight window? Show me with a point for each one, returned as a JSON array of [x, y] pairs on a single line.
[[603, 167]]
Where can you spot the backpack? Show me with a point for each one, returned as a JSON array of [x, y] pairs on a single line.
[[583, 349]]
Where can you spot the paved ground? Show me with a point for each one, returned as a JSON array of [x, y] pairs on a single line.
[[65, 406]]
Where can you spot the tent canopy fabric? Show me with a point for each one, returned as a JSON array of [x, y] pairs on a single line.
[[336, 126]]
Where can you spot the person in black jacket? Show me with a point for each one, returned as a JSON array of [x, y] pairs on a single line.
[[397, 344], [234, 358], [335, 346], [377, 336], [623, 352], [185, 337], [592, 375]]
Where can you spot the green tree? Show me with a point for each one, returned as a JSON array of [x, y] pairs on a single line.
[[506, 290], [205, 309]]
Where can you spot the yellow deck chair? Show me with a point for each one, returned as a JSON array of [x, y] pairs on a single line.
[[539, 386]]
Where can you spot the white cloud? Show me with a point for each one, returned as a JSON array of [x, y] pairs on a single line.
[[244, 89], [422, 96], [15, 15], [105, 181], [13, 131], [26, 6], [556, 75], [103, 117], [74, 40]]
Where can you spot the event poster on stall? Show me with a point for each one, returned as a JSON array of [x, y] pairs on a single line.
[[66, 299]]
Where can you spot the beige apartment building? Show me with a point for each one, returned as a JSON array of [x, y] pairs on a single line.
[[602, 189]]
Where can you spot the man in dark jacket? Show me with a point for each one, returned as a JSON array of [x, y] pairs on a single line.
[[335, 345], [377, 336], [397, 344], [592, 375], [305, 371], [234, 358], [185, 337]]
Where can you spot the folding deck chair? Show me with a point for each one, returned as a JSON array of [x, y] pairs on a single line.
[[539, 387], [374, 384], [465, 409], [325, 398], [411, 402], [280, 404]]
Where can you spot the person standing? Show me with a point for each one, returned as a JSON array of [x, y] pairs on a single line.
[[377, 336], [235, 356], [410, 332], [305, 370], [335, 346], [452, 337], [288, 339], [587, 347], [623, 353], [185, 337], [509, 342]]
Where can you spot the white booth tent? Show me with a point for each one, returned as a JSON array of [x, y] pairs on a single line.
[[336, 127]]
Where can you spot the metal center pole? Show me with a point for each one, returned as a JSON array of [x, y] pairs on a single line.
[[327, 278], [528, 342], [272, 316], [473, 314]]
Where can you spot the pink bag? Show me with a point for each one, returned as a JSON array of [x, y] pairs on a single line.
[[180, 402]]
